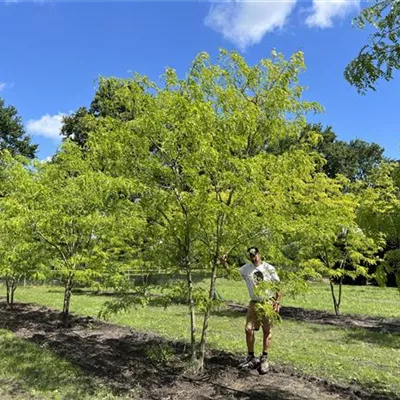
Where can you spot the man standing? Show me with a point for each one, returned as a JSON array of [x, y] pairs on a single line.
[[252, 273]]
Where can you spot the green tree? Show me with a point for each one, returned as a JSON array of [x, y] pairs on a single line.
[[350, 255], [379, 215], [380, 57], [355, 159], [12, 133], [324, 239], [73, 218], [20, 255], [115, 98], [392, 264], [75, 127], [207, 157], [379, 210]]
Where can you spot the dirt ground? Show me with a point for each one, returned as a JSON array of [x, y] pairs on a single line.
[[121, 357]]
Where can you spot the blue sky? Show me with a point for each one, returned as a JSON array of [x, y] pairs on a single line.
[[52, 52]]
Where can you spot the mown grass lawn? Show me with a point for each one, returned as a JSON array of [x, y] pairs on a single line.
[[367, 300], [342, 355], [28, 371]]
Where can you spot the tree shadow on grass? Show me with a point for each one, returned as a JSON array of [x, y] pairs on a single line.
[[112, 353], [126, 360], [352, 335], [231, 312], [391, 341], [38, 369]]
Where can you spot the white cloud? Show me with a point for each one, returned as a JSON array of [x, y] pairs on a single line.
[[324, 11], [46, 160], [4, 85], [246, 22], [48, 126]]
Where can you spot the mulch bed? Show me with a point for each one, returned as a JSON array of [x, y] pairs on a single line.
[[121, 357]]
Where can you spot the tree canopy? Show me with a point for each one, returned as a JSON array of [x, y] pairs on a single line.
[[115, 98], [218, 160], [13, 136], [355, 159], [179, 175], [379, 58]]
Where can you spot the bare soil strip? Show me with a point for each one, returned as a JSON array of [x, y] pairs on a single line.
[[120, 357]]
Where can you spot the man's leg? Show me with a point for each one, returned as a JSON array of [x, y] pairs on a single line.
[[250, 339], [264, 365], [252, 324], [267, 336]]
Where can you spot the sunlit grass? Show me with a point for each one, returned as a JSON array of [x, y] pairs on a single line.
[[341, 355], [366, 300]]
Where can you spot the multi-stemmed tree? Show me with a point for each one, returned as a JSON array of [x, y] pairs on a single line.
[[212, 171], [72, 217], [21, 256]]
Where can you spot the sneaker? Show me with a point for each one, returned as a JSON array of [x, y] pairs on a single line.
[[251, 362], [264, 366]]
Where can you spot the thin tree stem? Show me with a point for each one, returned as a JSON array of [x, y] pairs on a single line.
[[334, 298], [67, 298], [192, 315]]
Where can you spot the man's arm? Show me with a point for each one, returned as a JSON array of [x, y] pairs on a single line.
[[278, 295], [272, 273], [277, 301]]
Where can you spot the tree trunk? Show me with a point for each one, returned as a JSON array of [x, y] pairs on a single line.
[[13, 289], [336, 305], [338, 300], [8, 291], [211, 294], [67, 299], [207, 314], [186, 264], [192, 315], [339, 295], [11, 285]]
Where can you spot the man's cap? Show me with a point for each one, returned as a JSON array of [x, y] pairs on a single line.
[[253, 250]]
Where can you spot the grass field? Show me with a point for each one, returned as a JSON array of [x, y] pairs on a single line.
[[28, 371], [341, 355], [367, 300]]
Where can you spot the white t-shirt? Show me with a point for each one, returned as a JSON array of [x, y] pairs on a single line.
[[253, 274]]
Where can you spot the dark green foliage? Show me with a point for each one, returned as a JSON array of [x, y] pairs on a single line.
[[75, 128], [380, 57], [392, 264], [12, 133], [115, 98], [355, 160]]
